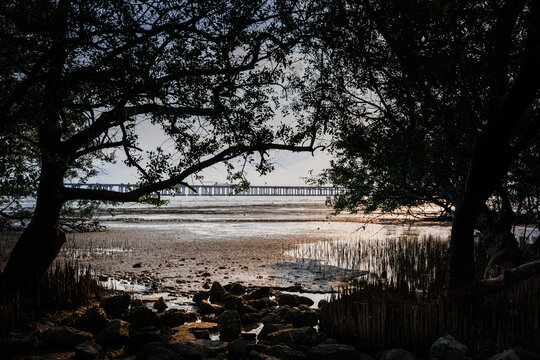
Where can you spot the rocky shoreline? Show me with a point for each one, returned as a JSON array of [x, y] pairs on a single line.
[[231, 322]]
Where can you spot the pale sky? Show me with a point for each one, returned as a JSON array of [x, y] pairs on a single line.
[[290, 168]]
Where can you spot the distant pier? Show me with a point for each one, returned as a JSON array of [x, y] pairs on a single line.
[[224, 190]]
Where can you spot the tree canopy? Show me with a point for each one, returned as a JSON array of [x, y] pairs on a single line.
[[431, 103], [78, 77]]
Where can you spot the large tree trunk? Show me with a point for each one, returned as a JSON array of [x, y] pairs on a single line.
[[41, 241]]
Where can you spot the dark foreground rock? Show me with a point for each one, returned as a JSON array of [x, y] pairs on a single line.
[[447, 348], [189, 350], [93, 320], [65, 336], [229, 325], [336, 352], [88, 350], [116, 332], [398, 354], [115, 306], [284, 352]]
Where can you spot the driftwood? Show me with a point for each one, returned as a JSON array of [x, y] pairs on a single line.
[[509, 278]]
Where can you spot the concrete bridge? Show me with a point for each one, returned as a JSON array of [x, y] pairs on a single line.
[[225, 190]]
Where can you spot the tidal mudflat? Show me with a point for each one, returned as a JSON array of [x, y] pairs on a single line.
[[172, 251]]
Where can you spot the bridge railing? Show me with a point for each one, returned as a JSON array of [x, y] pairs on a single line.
[[224, 190]]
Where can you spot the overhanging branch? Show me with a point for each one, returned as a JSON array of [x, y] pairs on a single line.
[[134, 195]]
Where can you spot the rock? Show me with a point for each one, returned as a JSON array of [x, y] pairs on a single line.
[[262, 292], [335, 352], [294, 337], [137, 339], [254, 355], [236, 289], [322, 303], [233, 302], [200, 296], [447, 348], [285, 353], [158, 351], [271, 328], [88, 350], [192, 350], [247, 309], [206, 308], [116, 332], [136, 265], [200, 333], [272, 318], [217, 292], [398, 354], [160, 305], [191, 317], [229, 325], [526, 354], [115, 306], [287, 299], [65, 336], [505, 355], [263, 303], [141, 316], [283, 311], [251, 318], [136, 302], [172, 318], [238, 348], [93, 320], [304, 300], [300, 318]]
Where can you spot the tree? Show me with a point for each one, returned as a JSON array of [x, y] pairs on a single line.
[[432, 103], [78, 77]]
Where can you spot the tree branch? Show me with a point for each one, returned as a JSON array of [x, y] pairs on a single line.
[[134, 195], [509, 278]]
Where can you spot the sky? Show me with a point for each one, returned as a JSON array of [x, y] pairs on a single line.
[[290, 168]]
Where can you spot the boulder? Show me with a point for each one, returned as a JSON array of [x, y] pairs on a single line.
[[285, 353], [200, 333], [158, 351], [172, 318], [229, 325], [137, 339], [217, 292], [304, 300], [160, 305], [398, 354], [271, 318], [236, 289], [506, 355], [116, 332], [88, 350], [299, 318], [272, 328], [206, 308], [262, 292], [233, 302], [287, 299], [193, 350], [294, 337], [447, 348], [238, 348], [115, 306], [141, 316], [93, 320], [65, 336], [254, 355], [335, 352], [200, 296], [263, 303], [251, 318]]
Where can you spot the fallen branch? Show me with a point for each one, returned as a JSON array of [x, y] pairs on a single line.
[[509, 278]]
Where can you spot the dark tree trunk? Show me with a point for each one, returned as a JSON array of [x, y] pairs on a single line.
[[41, 241]]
